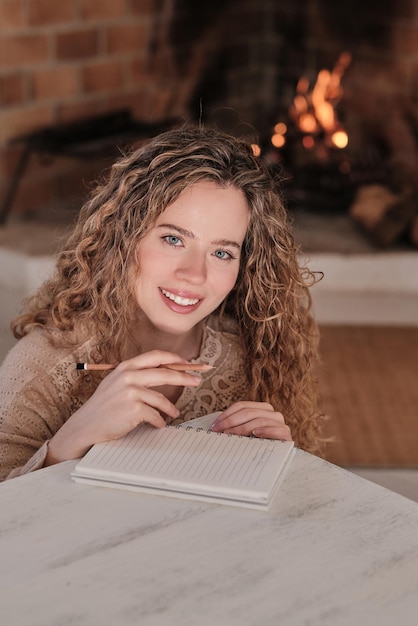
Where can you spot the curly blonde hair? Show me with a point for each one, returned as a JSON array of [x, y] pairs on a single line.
[[92, 290]]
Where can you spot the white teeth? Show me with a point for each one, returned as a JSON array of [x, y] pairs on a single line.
[[178, 300]]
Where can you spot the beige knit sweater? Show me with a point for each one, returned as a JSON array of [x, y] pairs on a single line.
[[37, 392]]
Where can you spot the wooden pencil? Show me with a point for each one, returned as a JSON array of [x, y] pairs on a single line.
[[179, 367]]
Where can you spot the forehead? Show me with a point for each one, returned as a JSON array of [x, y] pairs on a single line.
[[210, 204]]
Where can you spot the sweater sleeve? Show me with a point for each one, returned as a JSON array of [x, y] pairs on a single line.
[[35, 462], [35, 401]]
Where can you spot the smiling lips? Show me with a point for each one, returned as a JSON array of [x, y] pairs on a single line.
[[179, 300]]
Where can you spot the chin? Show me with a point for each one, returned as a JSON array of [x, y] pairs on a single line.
[[174, 329]]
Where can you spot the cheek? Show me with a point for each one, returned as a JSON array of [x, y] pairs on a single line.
[[149, 262], [226, 281]]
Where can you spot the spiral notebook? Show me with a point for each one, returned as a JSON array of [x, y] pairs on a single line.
[[190, 462]]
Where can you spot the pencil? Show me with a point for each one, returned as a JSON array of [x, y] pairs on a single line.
[[179, 367]]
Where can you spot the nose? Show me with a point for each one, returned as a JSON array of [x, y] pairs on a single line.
[[192, 268]]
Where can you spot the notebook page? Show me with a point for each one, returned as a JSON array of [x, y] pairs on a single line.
[[195, 461]]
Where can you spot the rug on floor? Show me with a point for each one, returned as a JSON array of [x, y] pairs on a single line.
[[369, 389]]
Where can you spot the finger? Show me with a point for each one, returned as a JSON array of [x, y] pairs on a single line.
[[188, 367], [154, 358], [281, 432], [245, 406], [154, 377], [267, 431], [142, 414], [151, 416], [244, 415], [157, 401]]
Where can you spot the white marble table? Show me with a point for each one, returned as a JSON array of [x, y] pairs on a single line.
[[333, 550]]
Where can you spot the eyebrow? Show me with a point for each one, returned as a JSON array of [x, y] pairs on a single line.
[[191, 235]]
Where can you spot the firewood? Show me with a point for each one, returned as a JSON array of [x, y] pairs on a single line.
[[385, 216]]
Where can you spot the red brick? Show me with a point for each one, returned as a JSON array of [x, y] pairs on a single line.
[[142, 7], [21, 120], [101, 9], [160, 104], [23, 50], [57, 82], [43, 12], [12, 14], [140, 103], [127, 38], [139, 71], [71, 111], [102, 76], [12, 90], [77, 44]]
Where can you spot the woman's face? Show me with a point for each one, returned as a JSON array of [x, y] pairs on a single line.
[[190, 259]]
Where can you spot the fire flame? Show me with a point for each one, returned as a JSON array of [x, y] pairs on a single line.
[[313, 110]]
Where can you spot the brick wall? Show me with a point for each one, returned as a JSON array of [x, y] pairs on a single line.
[[66, 60]]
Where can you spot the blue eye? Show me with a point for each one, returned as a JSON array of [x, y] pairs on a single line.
[[223, 255], [172, 240]]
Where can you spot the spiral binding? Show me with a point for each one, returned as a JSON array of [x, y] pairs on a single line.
[[209, 431]]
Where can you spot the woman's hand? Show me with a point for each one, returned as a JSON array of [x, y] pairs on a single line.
[[253, 418], [124, 399]]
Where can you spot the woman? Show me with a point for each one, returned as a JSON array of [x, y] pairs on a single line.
[[183, 254]]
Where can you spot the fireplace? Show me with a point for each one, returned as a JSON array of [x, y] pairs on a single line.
[[249, 60], [360, 154]]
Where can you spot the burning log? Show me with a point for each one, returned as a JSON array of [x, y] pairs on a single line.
[[385, 215], [375, 157]]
